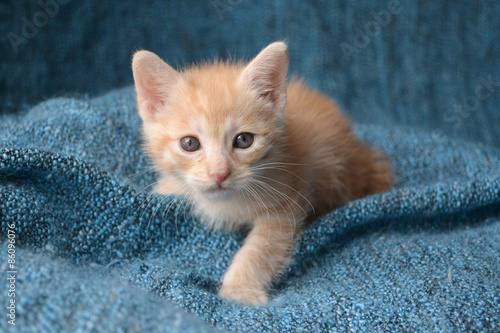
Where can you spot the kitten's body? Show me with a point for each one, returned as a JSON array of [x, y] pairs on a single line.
[[303, 160]]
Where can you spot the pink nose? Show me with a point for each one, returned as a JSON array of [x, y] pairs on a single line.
[[220, 177]]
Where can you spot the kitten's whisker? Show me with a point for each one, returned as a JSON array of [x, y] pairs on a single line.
[[280, 169], [142, 191], [261, 185], [247, 199], [144, 170], [287, 199], [260, 201], [187, 198], [276, 214], [280, 163], [258, 198], [153, 215], [150, 197], [165, 215], [182, 203], [290, 187], [178, 201], [187, 201]]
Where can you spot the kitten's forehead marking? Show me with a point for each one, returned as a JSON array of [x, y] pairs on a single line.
[[214, 122], [205, 98], [231, 125], [202, 101], [213, 135]]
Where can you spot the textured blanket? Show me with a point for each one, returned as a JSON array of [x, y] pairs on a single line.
[[95, 251], [85, 247]]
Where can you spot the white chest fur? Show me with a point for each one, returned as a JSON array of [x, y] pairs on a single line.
[[230, 214]]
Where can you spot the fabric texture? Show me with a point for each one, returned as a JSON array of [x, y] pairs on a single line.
[[95, 251]]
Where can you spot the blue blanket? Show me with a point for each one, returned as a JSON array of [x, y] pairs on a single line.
[[92, 250], [95, 251]]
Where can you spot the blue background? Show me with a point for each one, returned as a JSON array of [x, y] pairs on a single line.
[[415, 68]]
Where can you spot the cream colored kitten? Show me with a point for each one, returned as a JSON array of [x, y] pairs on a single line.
[[251, 151]]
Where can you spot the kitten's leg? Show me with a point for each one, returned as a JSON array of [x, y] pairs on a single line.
[[266, 251]]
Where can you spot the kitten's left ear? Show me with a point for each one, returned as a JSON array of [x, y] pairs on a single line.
[[266, 74]]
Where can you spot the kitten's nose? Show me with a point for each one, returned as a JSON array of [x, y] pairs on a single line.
[[219, 178]]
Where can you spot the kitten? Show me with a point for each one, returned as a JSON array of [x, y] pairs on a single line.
[[252, 152]]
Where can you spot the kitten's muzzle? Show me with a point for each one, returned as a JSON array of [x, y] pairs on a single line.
[[219, 178], [220, 192]]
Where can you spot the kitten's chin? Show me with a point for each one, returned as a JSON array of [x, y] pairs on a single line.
[[219, 193]]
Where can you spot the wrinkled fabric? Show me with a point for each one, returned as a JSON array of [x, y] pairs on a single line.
[[95, 251]]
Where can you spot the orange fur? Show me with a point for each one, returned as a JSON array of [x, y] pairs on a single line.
[[304, 161]]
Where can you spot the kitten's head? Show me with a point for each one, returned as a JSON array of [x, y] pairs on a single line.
[[209, 127]]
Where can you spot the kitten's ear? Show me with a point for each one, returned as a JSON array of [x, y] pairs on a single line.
[[154, 80], [267, 74]]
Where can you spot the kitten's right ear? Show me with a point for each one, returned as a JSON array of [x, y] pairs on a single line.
[[154, 80], [266, 74]]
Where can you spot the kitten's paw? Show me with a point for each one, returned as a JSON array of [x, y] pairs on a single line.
[[243, 296]]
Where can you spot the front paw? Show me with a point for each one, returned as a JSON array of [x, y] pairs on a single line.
[[243, 296]]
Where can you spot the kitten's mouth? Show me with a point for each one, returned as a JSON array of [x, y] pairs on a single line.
[[219, 189], [220, 192]]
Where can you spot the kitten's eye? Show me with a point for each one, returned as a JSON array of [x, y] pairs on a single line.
[[243, 140], [190, 143]]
